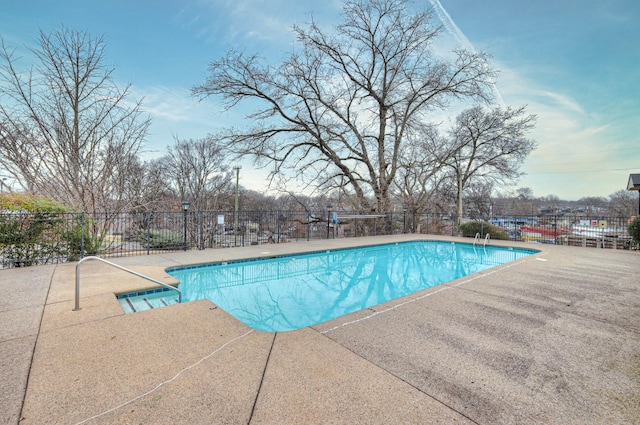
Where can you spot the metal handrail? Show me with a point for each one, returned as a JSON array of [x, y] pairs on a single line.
[[77, 307], [486, 239], [476, 238]]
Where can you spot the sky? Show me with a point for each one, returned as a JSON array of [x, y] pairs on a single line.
[[574, 63]]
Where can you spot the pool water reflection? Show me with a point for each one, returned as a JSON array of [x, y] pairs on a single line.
[[295, 291]]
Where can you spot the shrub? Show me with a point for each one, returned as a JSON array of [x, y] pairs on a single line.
[[634, 229], [26, 203], [75, 238], [471, 228], [161, 240], [29, 226]]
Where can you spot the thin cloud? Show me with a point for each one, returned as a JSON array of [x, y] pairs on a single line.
[[576, 152], [172, 104], [564, 102], [266, 23], [461, 39], [451, 26]]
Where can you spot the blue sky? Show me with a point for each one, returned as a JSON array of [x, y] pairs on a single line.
[[575, 63]]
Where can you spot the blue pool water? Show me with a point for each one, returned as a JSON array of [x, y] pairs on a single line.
[[292, 292]]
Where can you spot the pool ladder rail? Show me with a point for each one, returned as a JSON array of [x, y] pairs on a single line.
[[486, 239], [77, 305]]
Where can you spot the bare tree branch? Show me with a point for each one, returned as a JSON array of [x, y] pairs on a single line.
[[66, 130], [490, 145], [197, 172], [340, 111]]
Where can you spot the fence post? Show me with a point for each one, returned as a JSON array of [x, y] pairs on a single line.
[[200, 231], [427, 225], [453, 224], [82, 236], [244, 223], [390, 224], [413, 228], [355, 226], [278, 226], [148, 232], [308, 226]]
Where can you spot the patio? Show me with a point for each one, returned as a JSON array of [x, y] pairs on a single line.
[[553, 338]]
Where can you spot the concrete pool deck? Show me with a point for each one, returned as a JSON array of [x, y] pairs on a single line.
[[553, 338]]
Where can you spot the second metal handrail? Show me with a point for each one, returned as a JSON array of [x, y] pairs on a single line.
[[77, 306], [486, 239]]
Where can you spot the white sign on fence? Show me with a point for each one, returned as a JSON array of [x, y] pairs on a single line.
[[594, 223]]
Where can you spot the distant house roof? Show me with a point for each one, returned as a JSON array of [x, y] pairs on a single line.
[[634, 182]]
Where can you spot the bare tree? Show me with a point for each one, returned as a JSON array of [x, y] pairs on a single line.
[[150, 189], [593, 205], [490, 145], [66, 130], [340, 108], [623, 203], [524, 203], [525, 193], [551, 203], [421, 176], [477, 197], [198, 173]]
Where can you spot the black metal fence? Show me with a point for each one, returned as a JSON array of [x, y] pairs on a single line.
[[574, 230], [46, 238]]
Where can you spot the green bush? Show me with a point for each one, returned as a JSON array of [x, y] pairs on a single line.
[[471, 228], [634, 229], [74, 239], [28, 229]]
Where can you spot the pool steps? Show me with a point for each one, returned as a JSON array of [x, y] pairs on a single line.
[[164, 286], [147, 300]]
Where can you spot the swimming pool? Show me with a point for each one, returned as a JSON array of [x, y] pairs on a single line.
[[294, 291]]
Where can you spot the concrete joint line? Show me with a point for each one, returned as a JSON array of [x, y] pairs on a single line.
[[167, 381], [264, 372]]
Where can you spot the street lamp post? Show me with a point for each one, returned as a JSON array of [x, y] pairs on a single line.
[[404, 209], [235, 217], [185, 208]]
